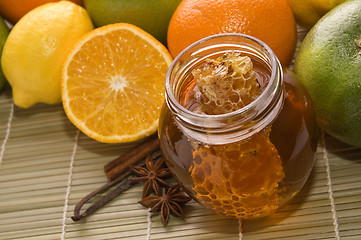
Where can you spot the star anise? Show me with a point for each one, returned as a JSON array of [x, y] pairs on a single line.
[[152, 174], [169, 202]]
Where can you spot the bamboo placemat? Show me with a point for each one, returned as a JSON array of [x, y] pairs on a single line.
[[47, 166]]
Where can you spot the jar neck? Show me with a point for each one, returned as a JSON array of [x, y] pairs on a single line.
[[236, 125]]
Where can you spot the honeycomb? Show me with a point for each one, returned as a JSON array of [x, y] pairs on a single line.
[[226, 83], [240, 179]]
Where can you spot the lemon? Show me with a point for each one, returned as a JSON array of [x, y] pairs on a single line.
[[35, 50], [329, 65], [4, 31]]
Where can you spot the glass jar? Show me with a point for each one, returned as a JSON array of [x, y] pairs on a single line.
[[249, 162]]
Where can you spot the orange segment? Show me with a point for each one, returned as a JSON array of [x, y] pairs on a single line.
[[113, 83]]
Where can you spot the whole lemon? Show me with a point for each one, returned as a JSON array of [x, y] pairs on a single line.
[[4, 31], [152, 16], [35, 50], [329, 65]]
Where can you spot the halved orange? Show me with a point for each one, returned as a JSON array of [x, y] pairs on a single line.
[[113, 83]]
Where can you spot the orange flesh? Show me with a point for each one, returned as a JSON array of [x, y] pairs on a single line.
[[114, 86]]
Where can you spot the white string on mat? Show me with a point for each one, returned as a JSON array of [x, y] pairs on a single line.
[[329, 185], [10, 119], [149, 227], [70, 178]]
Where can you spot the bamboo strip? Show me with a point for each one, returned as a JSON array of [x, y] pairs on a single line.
[[33, 182]]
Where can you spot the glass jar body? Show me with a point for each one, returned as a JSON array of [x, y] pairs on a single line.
[[250, 176]]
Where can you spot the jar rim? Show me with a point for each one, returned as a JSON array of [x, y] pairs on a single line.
[[274, 64]]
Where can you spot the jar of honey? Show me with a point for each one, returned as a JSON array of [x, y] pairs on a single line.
[[237, 132]]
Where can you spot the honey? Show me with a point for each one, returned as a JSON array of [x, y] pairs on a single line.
[[247, 155]]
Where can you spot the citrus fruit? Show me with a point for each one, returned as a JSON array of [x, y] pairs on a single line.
[[36, 47], [329, 65], [113, 83], [14, 10], [4, 32], [271, 21], [308, 12], [153, 16]]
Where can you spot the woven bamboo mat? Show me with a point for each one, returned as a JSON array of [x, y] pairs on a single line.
[[47, 166]]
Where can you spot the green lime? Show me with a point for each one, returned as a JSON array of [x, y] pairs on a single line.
[[329, 65], [4, 32], [153, 16]]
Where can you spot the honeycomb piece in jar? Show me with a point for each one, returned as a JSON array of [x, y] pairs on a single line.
[[226, 83]]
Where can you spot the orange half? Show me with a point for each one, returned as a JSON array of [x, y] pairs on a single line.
[[113, 83]]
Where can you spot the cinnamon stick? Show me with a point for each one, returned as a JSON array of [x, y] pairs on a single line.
[[121, 164]]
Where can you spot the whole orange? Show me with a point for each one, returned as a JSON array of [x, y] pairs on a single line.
[[271, 21], [14, 10]]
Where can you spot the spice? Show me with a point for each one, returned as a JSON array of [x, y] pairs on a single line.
[[123, 163], [118, 171], [169, 202], [124, 185], [153, 175]]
